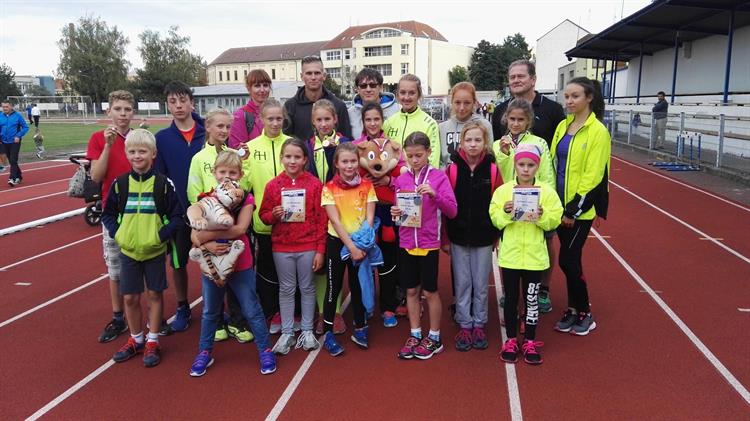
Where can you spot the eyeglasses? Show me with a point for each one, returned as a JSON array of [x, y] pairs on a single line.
[[371, 85]]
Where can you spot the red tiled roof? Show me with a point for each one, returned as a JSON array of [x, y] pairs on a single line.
[[269, 53], [417, 29]]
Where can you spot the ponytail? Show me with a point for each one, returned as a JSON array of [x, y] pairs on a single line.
[[594, 89]]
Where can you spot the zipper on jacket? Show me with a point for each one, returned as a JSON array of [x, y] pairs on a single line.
[[273, 158], [403, 132]]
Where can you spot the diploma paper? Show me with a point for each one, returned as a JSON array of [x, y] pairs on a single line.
[[293, 202], [526, 204], [411, 209]]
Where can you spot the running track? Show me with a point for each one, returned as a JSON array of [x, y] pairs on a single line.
[[669, 277]]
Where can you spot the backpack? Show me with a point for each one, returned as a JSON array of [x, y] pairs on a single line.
[[122, 185], [249, 121], [452, 173]]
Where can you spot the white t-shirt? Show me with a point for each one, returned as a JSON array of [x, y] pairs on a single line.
[[34, 110]]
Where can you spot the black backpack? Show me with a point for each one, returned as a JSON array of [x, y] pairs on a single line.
[[249, 122], [122, 185]]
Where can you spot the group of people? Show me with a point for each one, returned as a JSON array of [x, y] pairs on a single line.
[[458, 177]]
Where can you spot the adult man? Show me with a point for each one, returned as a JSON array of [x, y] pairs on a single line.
[[12, 129], [299, 108], [369, 85], [547, 115], [660, 118], [35, 114]]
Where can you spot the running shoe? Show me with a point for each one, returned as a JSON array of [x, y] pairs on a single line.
[[401, 310], [478, 338], [407, 351], [389, 319], [128, 351], [201, 364], [509, 351], [427, 348], [3, 168], [267, 362], [463, 340], [164, 330], [567, 321], [307, 341], [181, 319], [284, 344], [545, 304], [151, 354], [584, 324], [530, 353], [502, 301], [240, 333], [359, 337], [339, 325], [113, 330], [221, 333], [275, 325], [331, 344]]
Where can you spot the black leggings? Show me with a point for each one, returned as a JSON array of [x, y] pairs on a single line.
[[512, 279], [571, 253], [335, 281], [388, 275]]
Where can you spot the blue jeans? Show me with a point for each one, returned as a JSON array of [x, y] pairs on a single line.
[[242, 284]]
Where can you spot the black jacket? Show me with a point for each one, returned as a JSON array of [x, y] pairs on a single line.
[[547, 115], [472, 226], [299, 112]]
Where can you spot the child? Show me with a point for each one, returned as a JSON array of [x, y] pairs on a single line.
[[463, 96], [523, 254], [321, 147], [473, 176], [349, 202], [141, 223], [519, 119], [201, 179], [298, 244], [419, 254], [242, 281]]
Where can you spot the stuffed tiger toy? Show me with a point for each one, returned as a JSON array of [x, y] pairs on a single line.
[[213, 212]]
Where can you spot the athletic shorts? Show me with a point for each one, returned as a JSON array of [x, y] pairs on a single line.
[[179, 247], [111, 255], [134, 274], [414, 271]]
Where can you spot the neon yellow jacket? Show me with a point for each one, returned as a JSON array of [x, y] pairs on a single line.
[[544, 174], [265, 163], [201, 174], [401, 125], [586, 168], [523, 245]]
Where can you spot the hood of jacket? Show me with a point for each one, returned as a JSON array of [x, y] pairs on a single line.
[[387, 100]]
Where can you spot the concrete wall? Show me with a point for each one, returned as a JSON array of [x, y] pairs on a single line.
[[550, 53], [287, 70], [444, 56]]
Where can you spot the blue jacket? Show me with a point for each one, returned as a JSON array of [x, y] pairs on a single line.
[[364, 239], [12, 126], [174, 155]]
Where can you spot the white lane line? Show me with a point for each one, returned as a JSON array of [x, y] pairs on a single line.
[[718, 365], [300, 374], [33, 185], [514, 395], [683, 184], [52, 301], [714, 239], [48, 167], [33, 198], [20, 262], [86, 380], [743, 310], [23, 284], [42, 221], [696, 230]]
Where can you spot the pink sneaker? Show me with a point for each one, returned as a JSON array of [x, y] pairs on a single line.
[[427, 348], [530, 353], [407, 351], [275, 326], [401, 311], [509, 351], [339, 325]]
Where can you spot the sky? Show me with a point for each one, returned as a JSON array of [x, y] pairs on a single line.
[[30, 29]]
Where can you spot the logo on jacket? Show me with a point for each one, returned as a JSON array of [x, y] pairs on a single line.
[[259, 156]]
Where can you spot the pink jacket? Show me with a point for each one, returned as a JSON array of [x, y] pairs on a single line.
[[238, 133], [444, 203]]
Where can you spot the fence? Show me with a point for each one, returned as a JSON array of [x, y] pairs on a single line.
[[724, 140], [72, 107]]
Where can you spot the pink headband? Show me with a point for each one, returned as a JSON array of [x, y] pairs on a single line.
[[526, 150]]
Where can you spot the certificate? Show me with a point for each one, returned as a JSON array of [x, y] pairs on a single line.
[[411, 209], [293, 202], [526, 204]]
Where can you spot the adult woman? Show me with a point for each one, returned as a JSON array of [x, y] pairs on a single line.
[[581, 149], [247, 123]]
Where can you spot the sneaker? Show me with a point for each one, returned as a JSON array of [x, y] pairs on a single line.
[[240, 333], [275, 325], [128, 351], [113, 330], [359, 337], [164, 330], [389, 319], [509, 351], [339, 325], [502, 301], [427, 348], [297, 326], [401, 311], [567, 321], [545, 304], [152, 354], [583, 325], [201, 364], [307, 341], [3, 168], [530, 353], [284, 344], [267, 362], [181, 319], [39, 154], [319, 325], [478, 338], [331, 345], [463, 340], [407, 351], [12, 182], [221, 333]]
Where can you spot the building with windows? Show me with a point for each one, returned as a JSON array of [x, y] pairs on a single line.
[[25, 82], [550, 55]]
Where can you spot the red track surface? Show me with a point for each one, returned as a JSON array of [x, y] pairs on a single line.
[[637, 364]]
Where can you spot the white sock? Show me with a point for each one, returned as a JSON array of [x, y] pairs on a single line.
[[417, 333], [153, 337], [138, 337], [434, 335]]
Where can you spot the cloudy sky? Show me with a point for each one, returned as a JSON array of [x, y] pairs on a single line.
[[30, 29]]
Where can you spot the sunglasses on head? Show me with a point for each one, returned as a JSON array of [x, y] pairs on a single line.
[[371, 85]]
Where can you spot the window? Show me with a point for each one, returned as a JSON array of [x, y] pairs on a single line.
[[572, 74], [245, 71], [273, 74], [381, 50], [404, 68], [220, 77], [384, 69], [334, 72], [227, 75], [404, 49], [235, 75], [333, 55], [383, 33], [347, 54]]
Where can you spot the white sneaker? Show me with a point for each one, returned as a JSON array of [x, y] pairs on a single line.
[[284, 344], [307, 341]]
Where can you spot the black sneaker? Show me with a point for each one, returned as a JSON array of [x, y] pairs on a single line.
[[164, 330], [113, 330]]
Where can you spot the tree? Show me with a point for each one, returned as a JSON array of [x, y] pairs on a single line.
[[8, 86], [38, 90], [484, 67], [514, 48], [93, 58], [457, 74], [332, 86], [164, 60]]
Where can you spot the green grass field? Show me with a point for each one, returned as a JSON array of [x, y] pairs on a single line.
[[62, 138]]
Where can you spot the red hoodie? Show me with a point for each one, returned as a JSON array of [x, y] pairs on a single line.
[[294, 237]]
